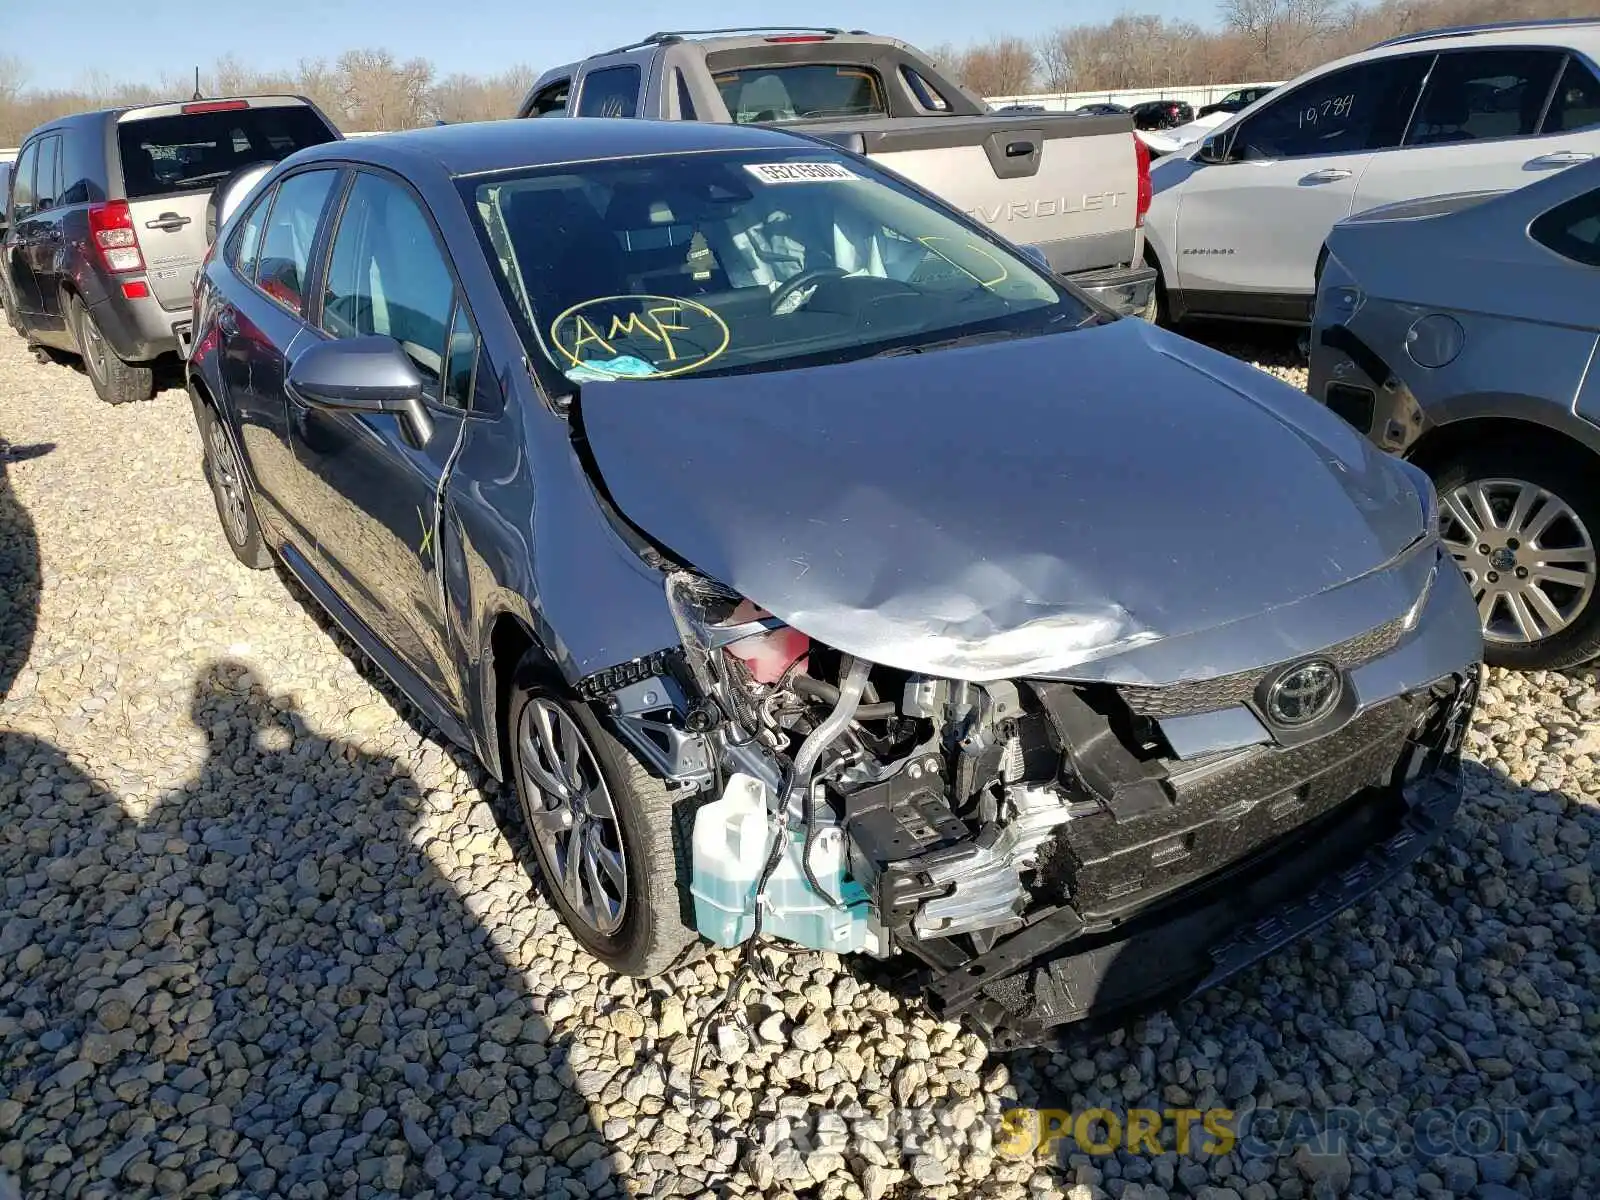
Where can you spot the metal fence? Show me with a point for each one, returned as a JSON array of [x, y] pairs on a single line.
[[1196, 95]]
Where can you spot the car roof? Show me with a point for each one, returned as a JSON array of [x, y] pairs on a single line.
[[1578, 33], [483, 147]]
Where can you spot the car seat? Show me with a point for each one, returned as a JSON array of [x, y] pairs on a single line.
[[565, 252], [1444, 118]]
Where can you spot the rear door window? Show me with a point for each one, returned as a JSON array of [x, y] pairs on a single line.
[[1572, 229], [47, 175], [1358, 108], [1480, 95], [286, 241], [1576, 103], [194, 152], [610, 92], [801, 92], [22, 191]]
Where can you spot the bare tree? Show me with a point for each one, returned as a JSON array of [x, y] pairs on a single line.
[[1284, 33], [376, 91], [1002, 67]]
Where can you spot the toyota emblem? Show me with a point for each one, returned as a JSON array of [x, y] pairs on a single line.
[[1305, 693]]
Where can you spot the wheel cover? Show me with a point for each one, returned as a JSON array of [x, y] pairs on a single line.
[[569, 810], [227, 479], [1527, 555]]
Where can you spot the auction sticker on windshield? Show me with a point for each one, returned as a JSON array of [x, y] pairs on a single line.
[[800, 172]]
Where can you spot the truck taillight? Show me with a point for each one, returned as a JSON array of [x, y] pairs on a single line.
[[112, 226], [1141, 159]]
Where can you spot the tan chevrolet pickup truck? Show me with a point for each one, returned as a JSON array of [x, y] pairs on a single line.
[[1073, 187]]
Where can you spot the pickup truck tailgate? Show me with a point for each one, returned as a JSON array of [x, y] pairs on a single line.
[[1067, 184]]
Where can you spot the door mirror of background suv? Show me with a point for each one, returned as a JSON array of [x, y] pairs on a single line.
[[365, 374], [1213, 150]]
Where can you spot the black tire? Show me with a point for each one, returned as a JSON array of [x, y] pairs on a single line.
[[230, 490], [650, 933], [1574, 483], [1160, 308], [7, 311], [115, 381]]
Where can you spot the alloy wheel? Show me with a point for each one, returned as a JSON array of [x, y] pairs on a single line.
[[1528, 556], [227, 479], [570, 811]]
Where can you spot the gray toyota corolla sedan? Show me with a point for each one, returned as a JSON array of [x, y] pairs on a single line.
[[809, 563]]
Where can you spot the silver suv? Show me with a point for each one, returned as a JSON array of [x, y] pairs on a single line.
[[1237, 223], [107, 223]]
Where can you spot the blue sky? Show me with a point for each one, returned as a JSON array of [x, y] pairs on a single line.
[[170, 37]]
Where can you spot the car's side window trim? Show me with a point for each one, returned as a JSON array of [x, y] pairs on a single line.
[[331, 232], [458, 308]]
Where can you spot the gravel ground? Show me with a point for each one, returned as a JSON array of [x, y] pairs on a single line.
[[261, 934]]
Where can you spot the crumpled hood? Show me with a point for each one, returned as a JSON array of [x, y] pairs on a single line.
[[1005, 509]]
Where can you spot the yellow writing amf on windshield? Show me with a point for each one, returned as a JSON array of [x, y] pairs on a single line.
[[671, 334]]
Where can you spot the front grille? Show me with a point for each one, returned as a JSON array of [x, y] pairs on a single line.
[[1228, 811], [1224, 691]]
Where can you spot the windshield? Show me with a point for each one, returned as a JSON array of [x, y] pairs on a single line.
[[718, 263]]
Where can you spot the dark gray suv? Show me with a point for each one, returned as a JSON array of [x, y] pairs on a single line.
[[107, 223]]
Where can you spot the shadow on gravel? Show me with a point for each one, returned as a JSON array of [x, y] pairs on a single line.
[[19, 568], [261, 985], [1465, 987]]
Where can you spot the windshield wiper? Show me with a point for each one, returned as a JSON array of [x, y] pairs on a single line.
[[967, 339]]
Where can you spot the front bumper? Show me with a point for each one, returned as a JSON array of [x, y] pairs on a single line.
[[1067, 967], [1127, 290]]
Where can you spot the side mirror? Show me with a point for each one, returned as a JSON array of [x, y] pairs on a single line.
[[1037, 257], [1213, 150], [364, 374]]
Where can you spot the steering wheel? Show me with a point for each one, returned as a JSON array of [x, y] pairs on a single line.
[[783, 302]]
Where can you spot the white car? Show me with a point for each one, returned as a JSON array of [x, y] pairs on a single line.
[[1237, 223]]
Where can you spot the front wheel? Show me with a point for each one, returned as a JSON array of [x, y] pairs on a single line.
[[1522, 525], [115, 381], [601, 828]]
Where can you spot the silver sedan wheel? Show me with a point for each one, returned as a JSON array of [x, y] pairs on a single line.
[[229, 482], [569, 810], [1528, 557]]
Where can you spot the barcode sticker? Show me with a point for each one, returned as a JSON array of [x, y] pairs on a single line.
[[800, 172]]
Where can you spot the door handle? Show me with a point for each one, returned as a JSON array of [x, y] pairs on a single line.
[[1558, 158], [1327, 175], [167, 221]]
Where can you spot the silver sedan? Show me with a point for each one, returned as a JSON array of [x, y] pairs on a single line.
[[1460, 332]]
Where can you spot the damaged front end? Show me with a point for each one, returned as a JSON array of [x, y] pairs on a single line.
[[1030, 851]]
